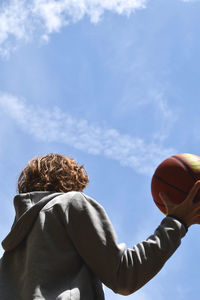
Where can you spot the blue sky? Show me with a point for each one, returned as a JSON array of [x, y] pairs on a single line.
[[114, 84]]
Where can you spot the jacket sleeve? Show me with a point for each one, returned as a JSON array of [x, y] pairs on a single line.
[[123, 270]]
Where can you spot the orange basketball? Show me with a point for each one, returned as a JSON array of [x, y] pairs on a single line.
[[175, 177]]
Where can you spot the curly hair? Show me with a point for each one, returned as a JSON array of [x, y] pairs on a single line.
[[52, 172]]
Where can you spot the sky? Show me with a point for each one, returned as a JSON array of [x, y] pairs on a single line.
[[115, 85]]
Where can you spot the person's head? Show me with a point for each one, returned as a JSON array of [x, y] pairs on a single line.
[[52, 172]]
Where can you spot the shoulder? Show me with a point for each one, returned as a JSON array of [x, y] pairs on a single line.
[[78, 208], [74, 200], [80, 201]]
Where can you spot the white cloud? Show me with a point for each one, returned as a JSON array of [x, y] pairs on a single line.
[[13, 24], [22, 19], [154, 99], [166, 115], [57, 126]]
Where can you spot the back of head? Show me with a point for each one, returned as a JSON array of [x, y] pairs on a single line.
[[52, 172]]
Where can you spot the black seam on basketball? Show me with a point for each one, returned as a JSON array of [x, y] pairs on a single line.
[[187, 167], [169, 184]]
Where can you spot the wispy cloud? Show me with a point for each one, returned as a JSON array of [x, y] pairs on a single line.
[[150, 98], [57, 126], [166, 115], [21, 20]]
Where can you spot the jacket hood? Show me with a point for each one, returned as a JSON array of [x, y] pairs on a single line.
[[27, 207]]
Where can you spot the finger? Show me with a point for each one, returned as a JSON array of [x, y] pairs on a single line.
[[196, 211], [165, 198], [193, 192], [196, 220], [166, 201]]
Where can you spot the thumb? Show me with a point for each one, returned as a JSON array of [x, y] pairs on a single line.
[[166, 201]]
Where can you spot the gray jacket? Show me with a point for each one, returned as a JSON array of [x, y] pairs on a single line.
[[62, 246]]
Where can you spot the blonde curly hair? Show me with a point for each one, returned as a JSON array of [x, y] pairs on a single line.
[[52, 172]]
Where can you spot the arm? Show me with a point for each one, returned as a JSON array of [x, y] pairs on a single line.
[[123, 270]]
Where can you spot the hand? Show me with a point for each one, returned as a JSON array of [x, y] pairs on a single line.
[[188, 210]]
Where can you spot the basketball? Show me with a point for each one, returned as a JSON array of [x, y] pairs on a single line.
[[175, 176]]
